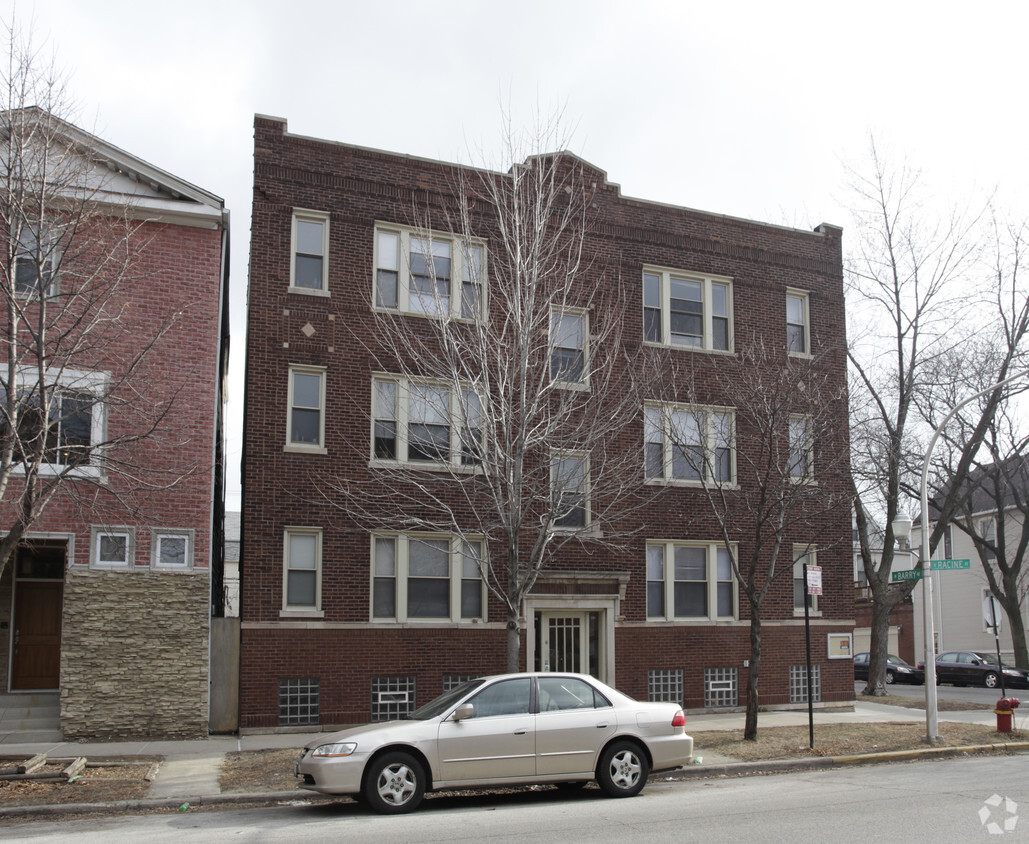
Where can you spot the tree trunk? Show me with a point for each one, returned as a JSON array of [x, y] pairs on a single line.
[[514, 642], [880, 646], [750, 726], [1013, 610]]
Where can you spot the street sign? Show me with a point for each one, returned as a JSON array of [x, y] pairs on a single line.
[[991, 612], [910, 574], [814, 580], [950, 565]]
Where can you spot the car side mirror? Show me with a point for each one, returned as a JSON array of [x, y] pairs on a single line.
[[465, 710]]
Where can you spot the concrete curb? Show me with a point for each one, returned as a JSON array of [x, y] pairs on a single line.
[[734, 769]]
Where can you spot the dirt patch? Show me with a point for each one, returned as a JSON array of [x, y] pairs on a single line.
[[842, 740], [259, 770], [122, 779]]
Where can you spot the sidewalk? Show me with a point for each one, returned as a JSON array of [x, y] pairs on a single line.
[[190, 771]]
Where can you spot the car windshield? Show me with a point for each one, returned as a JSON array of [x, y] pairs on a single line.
[[435, 708]]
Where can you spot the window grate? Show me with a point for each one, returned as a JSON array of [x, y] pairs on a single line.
[[299, 703], [392, 697], [721, 687], [665, 684], [798, 683]]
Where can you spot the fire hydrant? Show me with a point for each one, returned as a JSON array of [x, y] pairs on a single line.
[[1005, 709]]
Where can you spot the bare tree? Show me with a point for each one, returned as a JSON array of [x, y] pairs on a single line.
[[77, 348], [788, 472], [913, 279], [521, 402]]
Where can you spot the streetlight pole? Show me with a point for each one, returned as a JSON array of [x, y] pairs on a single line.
[[931, 714]]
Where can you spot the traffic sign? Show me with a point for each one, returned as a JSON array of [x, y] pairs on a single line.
[[909, 574], [950, 565], [814, 580]]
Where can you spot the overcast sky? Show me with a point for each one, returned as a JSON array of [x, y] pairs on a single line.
[[744, 108]]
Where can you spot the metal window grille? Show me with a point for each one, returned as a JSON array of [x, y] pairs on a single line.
[[392, 697], [798, 683], [299, 702], [721, 687], [665, 684], [452, 681]]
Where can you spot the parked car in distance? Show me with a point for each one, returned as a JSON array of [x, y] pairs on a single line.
[[897, 670], [977, 668], [511, 729]]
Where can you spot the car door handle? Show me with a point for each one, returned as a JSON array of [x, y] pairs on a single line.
[[602, 725], [520, 731]]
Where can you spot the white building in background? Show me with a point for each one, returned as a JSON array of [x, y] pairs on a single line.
[[231, 577]]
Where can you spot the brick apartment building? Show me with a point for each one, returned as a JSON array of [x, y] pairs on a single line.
[[341, 620], [106, 602]]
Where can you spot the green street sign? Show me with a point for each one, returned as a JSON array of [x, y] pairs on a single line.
[[910, 574], [950, 565]]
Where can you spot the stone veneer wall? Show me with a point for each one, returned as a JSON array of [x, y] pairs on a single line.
[[134, 654]]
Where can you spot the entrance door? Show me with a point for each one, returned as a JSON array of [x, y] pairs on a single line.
[[37, 635], [565, 642]]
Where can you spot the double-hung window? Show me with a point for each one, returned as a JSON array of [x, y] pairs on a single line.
[[689, 580], [305, 423], [35, 262], [689, 443], [803, 554], [687, 309], [302, 570], [568, 354], [801, 448], [431, 273], [309, 267], [798, 334], [569, 474], [425, 423], [427, 577]]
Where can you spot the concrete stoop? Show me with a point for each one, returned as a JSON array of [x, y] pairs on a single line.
[[33, 716]]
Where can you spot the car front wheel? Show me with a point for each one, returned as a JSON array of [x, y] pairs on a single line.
[[395, 784], [890, 678], [991, 680], [623, 770]]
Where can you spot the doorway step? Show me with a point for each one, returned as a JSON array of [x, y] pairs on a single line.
[[33, 716]]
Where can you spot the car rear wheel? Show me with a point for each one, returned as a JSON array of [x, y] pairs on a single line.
[[395, 784], [991, 680], [623, 770]]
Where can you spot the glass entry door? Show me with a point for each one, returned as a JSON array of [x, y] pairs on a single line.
[[566, 641]]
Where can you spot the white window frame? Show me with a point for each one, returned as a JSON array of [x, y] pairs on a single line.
[[306, 448], [401, 577], [50, 258], [800, 552], [806, 447], [986, 592], [804, 297], [402, 420], [81, 381], [97, 534], [309, 216], [557, 314], [157, 537], [708, 284], [711, 443], [461, 271], [712, 580], [302, 610], [583, 457]]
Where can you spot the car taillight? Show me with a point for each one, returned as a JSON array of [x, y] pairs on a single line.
[[921, 664], [678, 720]]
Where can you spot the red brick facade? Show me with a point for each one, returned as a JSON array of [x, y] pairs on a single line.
[[339, 644]]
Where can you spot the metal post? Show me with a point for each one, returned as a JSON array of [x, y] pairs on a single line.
[[810, 685]]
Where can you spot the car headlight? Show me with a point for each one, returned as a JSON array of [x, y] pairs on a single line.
[[1012, 673], [903, 670], [344, 748]]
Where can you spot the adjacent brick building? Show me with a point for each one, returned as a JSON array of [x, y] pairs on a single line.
[[108, 597], [337, 625]]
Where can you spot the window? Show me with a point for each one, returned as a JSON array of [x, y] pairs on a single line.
[[113, 548], [797, 332], [558, 694], [432, 576], [569, 474], [721, 687], [428, 273], [666, 684], [414, 422], [305, 426], [392, 697], [309, 272], [302, 571], [299, 703], [988, 532], [171, 549], [686, 309], [803, 554], [35, 263], [507, 697], [798, 683], [688, 443], [689, 580], [801, 448], [568, 332]]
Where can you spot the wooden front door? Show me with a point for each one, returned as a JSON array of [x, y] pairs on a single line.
[[36, 662]]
